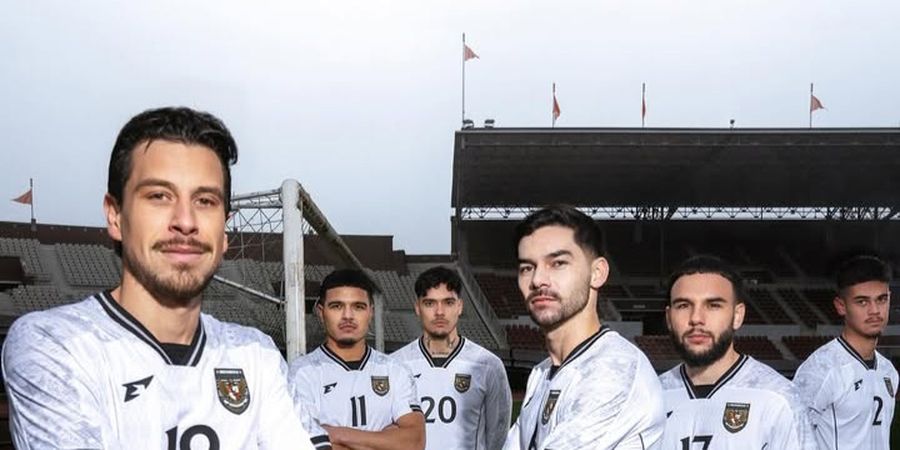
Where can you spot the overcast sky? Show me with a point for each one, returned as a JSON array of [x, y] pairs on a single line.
[[358, 100]]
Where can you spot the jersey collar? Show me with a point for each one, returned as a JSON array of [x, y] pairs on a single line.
[[119, 315], [852, 351], [456, 351], [578, 351], [725, 378], [337, 359]]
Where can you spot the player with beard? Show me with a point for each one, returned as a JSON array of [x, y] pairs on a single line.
[[463, 387], [719, 398], [349, 395], [596, 390], [139, 366], [847, 385]]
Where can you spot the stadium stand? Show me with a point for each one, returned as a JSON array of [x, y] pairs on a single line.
[[823, 298], [27, 251], [803, 346], [525, 337], [88, 265], [765, 301]]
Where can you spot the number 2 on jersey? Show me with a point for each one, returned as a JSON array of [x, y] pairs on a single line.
[[879, 404], [446, 409]]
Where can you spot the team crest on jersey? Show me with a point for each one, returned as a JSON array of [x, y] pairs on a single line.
[[381, 385], [549, 406], [735, 417], [232, 389], [462, 382], [889, 386]]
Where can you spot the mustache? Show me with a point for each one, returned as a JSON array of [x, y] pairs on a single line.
[[543, 293], [180, 242], [697, 331]]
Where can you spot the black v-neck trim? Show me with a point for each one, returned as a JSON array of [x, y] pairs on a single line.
[[447, 360], [337, 359], [118, 314], [578, 351], [725, 378], [852, 351]]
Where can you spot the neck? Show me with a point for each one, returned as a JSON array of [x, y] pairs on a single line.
[[168, 324], [713, 372], [565, 337], [441, 346], [352, 352], [864, 345]]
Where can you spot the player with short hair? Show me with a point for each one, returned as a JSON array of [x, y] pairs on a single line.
[[463, 387], [719, 398], [139, 366], [848, 386], [596, 390], [351, 396]]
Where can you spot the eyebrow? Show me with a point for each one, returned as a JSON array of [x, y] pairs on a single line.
[[555, 254], [171, 186], [704, 300]]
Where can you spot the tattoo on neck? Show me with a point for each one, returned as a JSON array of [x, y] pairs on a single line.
[[451, 344]]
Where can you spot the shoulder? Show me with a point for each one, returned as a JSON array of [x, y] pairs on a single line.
[[406, 352], [62, 324], [886, 364], [480, 355], [379, 359], [299, 365], [762, 376], [822, 361], [671, 379], [617, 364], [232, 335]]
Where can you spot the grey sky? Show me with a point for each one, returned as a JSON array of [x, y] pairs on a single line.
[[358, 100]]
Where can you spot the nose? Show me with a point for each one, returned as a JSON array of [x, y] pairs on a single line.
[[539, 278], [439, 309], [184, 219], [347, 312], [696, 317]]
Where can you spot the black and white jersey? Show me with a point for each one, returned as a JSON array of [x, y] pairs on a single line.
[[604, 395], [465, 396], [369, 394], [750, 407], [90, 376], [850, 402]]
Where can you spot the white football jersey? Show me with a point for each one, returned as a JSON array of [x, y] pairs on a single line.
[[850, 404], [90, 376], [465, 396], [750, 407], [329, 391], [604, 395]]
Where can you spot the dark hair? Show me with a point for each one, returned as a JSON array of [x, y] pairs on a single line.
[[587, 233], [860, 269], [708, 264], [346, 278], [435, 277], [176, 124]]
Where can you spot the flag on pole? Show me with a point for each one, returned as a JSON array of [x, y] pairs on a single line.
[[814, 103], [24, 199], [643, 103], [556, 110], [468, 53]]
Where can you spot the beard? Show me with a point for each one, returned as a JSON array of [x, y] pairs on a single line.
[[568, 307], [178, 287], [702, 359]]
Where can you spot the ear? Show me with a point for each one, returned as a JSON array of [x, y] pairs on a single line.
[[840, 306], [668, 317], [740, 310], [599, 272], [318, 309], [113, 212], [416, 308]]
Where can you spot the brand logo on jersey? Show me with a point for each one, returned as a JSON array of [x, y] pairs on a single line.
[[889, 386], [136, 388], [232, 389], [857, 384], [329, 387], [462, 382], [549, 406], [381, 385], [735, 416]]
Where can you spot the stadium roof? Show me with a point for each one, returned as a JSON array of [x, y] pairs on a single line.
[[607, 167]]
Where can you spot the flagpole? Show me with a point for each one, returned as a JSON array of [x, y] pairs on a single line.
[[810, 104], [31, 186], [643, 102], [463, 119]]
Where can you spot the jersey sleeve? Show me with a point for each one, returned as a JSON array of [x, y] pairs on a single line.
[[514, 436], [51, 392], [280, 425], [405, 397], [624, 414], [791, 428], [497, 406], [812, 380], [306, 405]]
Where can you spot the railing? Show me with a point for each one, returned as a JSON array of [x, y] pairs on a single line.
[[482, 306]]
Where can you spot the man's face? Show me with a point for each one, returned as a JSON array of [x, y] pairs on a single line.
[[171, 219], [702, 316], [439, 311], [345, 313], [865, 307], [556, 277]]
